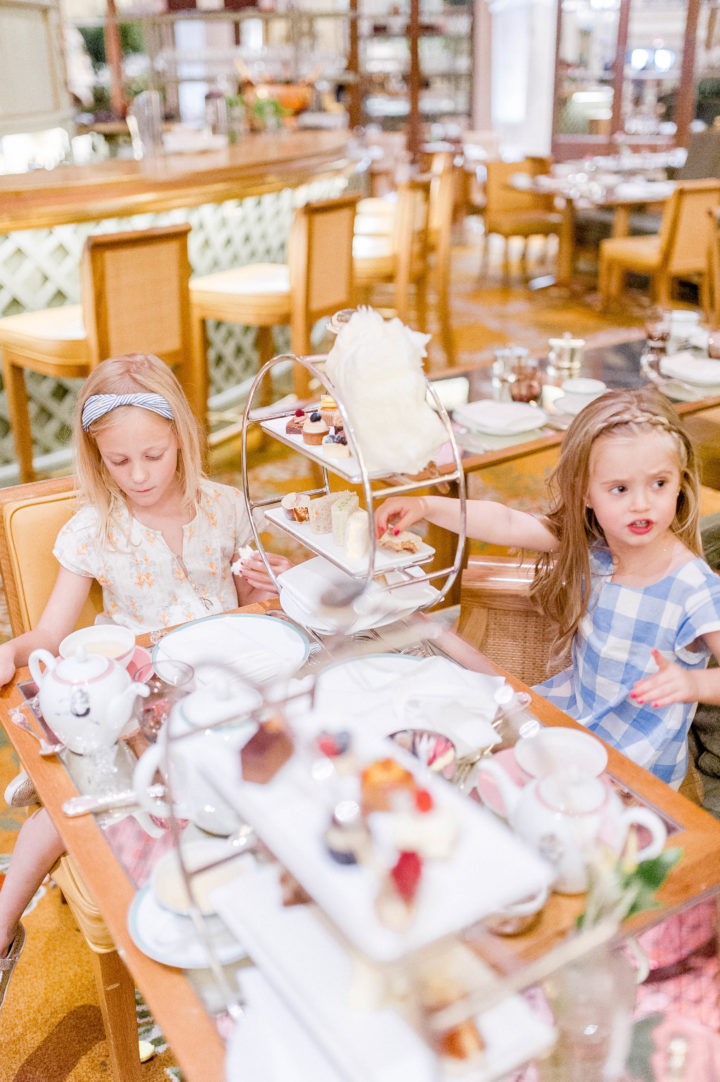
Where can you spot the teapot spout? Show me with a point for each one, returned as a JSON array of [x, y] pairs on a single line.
[[120, 709]]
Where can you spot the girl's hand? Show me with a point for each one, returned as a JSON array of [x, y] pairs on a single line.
[[7, 664], [399, 512], [255, 573], [670, 684]]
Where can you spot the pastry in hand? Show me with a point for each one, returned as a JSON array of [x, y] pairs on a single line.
[[405, 541]]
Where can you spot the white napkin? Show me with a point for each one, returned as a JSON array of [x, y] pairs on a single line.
[[691, 369], [446, 698], [500, 418]]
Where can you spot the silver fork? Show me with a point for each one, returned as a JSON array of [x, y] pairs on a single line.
[[465, 766]]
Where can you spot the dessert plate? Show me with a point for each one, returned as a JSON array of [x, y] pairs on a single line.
[[500, 418], [172, 939], [689, 368], [253, 646], [485, 868], [324, 545]]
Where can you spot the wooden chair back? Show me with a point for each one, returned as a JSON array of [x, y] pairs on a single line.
[[320, 261], [503, 199], [498, 618], [685, 230], [135, 295], [713, 267], [410, 239], [30, 517]]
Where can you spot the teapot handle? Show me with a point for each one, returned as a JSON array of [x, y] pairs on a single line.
[[36, 657], [500, 794]]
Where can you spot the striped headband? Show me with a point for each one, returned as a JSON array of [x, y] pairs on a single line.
[[100, 404]]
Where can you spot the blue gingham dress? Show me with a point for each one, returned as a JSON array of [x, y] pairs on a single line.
[[611, 651]]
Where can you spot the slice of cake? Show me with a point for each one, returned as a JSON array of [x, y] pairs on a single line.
[[357, 535], [340, 513]]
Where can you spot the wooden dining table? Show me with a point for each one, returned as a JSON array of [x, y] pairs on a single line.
[[169, 992]]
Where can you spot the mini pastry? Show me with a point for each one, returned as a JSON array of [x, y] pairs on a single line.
[[331, 415], [314, 429], [405, 541], [347, 838], [296, 506], [463, 1041], [395, 904], [430, 831], [357, 535], [380, 781], [340, 513], [335, 445], [295, 423]]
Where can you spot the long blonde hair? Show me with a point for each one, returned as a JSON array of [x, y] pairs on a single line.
[[562, 577], [127, 375]]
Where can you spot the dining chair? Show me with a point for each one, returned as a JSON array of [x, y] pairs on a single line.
[[376, 217], [512, 211], [134, 300], [498, 617], [712, 292], [315, 281], [398, 260], [30, 517], [679, 250]]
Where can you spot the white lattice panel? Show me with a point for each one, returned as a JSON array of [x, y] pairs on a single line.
[[40, 268]]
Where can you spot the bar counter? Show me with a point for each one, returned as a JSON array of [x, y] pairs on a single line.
[[260, 163]]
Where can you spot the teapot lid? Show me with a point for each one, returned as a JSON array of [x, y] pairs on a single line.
[[572, 791], [83, 667], [220, 701]]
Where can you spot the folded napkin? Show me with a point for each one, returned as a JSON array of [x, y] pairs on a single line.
[[687, 367], [446, 698], [500, 418]]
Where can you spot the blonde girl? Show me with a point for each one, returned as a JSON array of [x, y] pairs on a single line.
[[158, 536], [621, 573]]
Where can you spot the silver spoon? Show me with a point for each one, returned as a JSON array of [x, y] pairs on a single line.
[[18, 718]]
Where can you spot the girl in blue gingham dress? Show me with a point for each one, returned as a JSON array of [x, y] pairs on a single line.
[[620, 572]]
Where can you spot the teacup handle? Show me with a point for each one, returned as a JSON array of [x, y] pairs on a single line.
[[652, 822], [143, 778]]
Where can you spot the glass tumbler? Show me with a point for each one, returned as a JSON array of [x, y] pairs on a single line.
[[169, 681], [525, 380]]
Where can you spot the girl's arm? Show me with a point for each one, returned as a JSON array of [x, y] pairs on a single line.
[[486, 520], [674, 684], [254, 583], [58, 620]]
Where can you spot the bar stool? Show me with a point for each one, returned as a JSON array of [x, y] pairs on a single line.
[[398, 258], [316, 281], [134, 299]]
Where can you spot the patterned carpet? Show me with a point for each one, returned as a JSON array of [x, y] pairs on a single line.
[[50, 1026]]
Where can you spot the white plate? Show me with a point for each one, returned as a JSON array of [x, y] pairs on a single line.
[[246, 643], [557, 748], [500, 418], [323, 544], [691, 369], [172, 939], [488, 868], [587, 388], [571, 403], [303, 585], [360, 1045]]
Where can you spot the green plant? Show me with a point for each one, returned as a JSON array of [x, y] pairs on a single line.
[[131, 41], [621, 887]]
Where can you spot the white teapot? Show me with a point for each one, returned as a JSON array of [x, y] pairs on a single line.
[[188, 762], [86, 699], [564, 815]]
